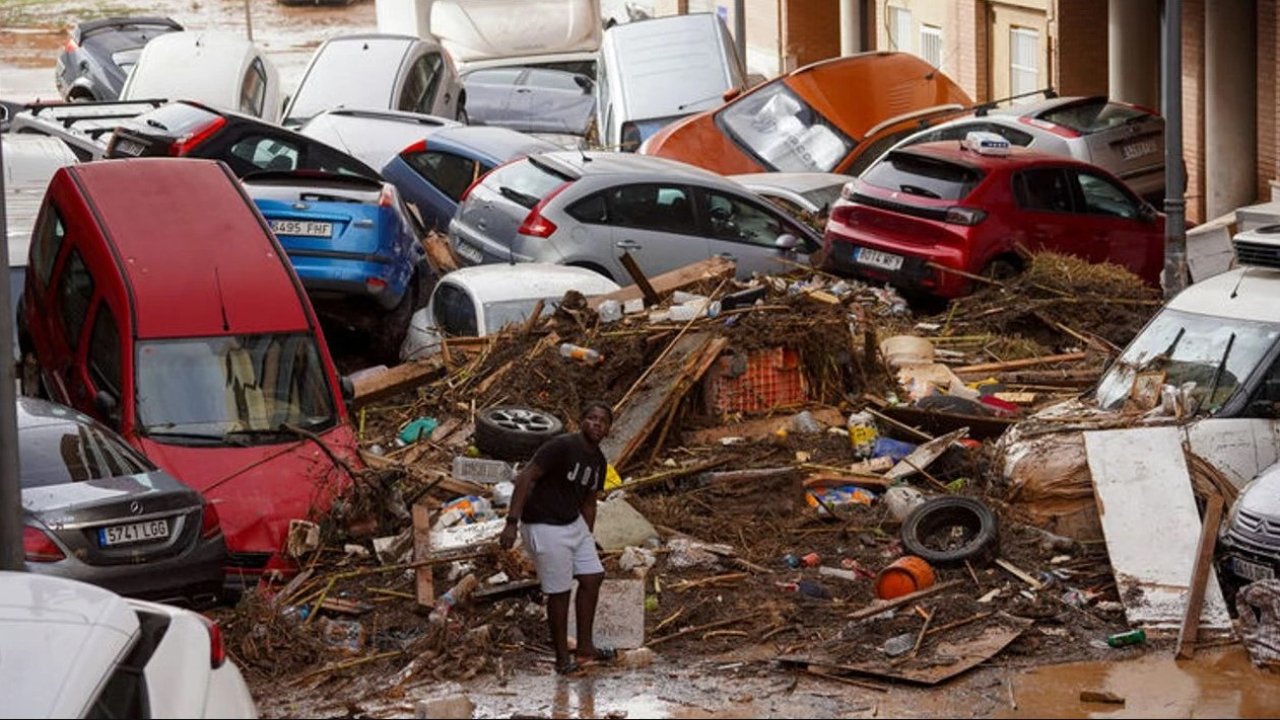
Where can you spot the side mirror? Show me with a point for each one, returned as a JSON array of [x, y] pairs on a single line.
[[348, 388], [786, 241], [1148, 213], [107, 407]]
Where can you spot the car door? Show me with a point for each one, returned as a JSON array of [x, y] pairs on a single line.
[[424, 89], [1046, 212], [39, 323], [72, 294], [445, 176], [655, 223], [750, 234], [1120, 227], [490, 93]]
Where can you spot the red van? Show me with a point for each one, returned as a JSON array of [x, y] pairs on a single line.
[[158, 301]]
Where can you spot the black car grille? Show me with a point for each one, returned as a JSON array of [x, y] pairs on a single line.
[[1256, 532], [1254, 253], [938, 214], [248, 561]]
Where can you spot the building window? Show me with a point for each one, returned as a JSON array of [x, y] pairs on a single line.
[[900, 28], [931, 45], [1024, 62]]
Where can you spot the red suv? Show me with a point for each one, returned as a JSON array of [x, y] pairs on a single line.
[[968, 205], [158, 301]]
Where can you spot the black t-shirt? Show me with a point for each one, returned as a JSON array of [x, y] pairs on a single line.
[[571, 469]]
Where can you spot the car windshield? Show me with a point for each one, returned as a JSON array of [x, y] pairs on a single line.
[[1213, 354], [341, 76], [783, 131], [59, 453], [233, 389], [500, 314]]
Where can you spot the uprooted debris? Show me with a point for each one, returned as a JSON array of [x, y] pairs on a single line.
[[778, 445]]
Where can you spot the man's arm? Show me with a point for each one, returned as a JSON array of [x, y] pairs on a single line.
[[524, 481], [588, 509]]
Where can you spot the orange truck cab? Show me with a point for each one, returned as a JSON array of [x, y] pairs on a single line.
[[158, 301]]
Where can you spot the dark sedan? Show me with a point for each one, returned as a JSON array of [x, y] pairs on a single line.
[[99, 54], [97, 511]]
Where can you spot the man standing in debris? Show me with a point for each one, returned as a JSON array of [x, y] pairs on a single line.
[[554, 504]]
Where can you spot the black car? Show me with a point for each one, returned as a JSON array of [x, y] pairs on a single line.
[[189, 129], [96, 510], [99, 54]]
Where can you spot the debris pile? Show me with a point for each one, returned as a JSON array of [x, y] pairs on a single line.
[[796, 460]]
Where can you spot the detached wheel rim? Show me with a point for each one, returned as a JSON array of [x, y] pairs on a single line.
[[522, 420]]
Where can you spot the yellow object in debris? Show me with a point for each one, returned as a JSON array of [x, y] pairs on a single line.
[[611, 478]]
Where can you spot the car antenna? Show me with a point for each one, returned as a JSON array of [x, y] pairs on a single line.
[[222, 305]]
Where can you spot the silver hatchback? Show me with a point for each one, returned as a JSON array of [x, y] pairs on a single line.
[[588, 209]]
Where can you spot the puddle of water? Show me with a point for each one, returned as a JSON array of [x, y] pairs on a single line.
[[1219, 683]]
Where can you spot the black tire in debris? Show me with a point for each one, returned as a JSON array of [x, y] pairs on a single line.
[[950, 529], [514, 432]]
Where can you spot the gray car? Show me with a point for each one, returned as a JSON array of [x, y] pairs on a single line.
[[1125, 139], [588, 208], [96, 510]]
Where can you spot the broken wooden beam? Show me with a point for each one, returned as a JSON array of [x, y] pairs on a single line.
[[424, 584], [650, 295], [1190, 629], [385, 383], [880, 606], [713, 269], [1021, 363]]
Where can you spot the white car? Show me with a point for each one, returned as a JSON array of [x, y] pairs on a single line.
[[70, 649], [212, 67], [480, 300]]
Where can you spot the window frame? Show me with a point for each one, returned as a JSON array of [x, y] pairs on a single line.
[[1017, 32], [931, 40], [74, 258]]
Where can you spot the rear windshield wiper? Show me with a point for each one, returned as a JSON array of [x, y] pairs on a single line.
[[514, 195], [917, 190]]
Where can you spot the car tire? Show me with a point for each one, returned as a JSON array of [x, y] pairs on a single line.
[[514, 432], [929, 530], [1000, 270], [395, 325]]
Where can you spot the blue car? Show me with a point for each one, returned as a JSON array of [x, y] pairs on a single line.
[[433, 174], [354, 245]]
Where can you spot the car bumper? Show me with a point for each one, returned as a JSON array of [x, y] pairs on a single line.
[[475, 249], [192, 577], [917, 266], [353, 276], [1245, 563]]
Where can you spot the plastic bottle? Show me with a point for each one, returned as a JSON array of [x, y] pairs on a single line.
[[581, 354], [1132, 637], [456, 594], [609, 311], [863, 433]]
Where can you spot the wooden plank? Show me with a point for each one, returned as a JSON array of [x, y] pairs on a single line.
[[424, 583], [376, 386], [1023, 363], [1199, 576], [440, 253], [713, 268], [633, 269], [880, 606], [688, 359], [981, 427], [1150, 524]]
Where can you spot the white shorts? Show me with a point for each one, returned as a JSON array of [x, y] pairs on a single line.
[[561, 552]]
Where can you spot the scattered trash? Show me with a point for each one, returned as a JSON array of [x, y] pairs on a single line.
[[1259, 606], [345, 635], [497, 579], [804, 423], [482, 471], [354, 550], [685, 553], [456, 594], [468, 510], [609, 311], [901, 500], [587, 356], [840, 497], [636, 557], [303, 537], [417, 429], [863, 433], [1101, 696], [895, 450], [1130, 637], [502, 493], [899, 645], [905, 575], [840, 573]]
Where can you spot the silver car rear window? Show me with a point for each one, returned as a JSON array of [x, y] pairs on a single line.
[[525, 182], [70, 452], [1094, 117]]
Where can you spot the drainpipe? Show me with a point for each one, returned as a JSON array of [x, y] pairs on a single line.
[[740, 28], [1175, 203], [850, 25], [11, 555]]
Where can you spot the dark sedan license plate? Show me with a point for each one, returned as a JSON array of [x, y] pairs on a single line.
[[125, 146], [133, 532], [1251, 570]]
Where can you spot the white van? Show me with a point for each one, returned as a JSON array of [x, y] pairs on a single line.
[[215, 68], [655, 71], [555, 34]]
